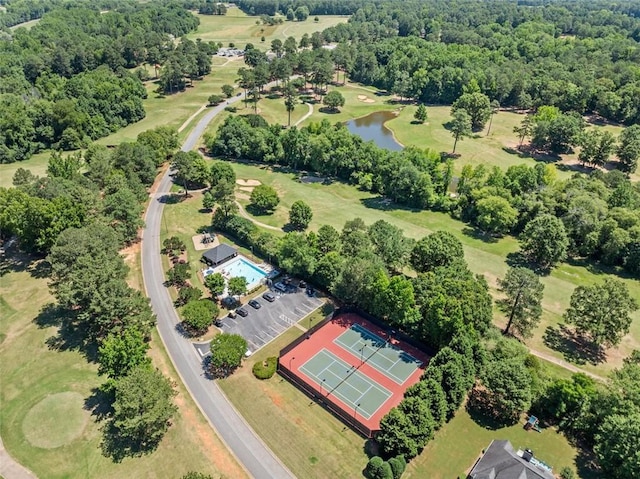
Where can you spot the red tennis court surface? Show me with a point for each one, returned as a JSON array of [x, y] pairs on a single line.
[[354, 367]]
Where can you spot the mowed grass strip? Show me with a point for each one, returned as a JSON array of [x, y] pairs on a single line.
[[336, 203], [32, 374], [307, 438]]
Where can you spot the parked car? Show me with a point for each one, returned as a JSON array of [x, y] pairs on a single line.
[[255, 304], [280, 287], [242, 312], [269, 297], [217, 322], [302, 284], [232, 314]]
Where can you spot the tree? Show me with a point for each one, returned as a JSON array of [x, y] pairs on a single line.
[[496, 215], [616, 445], [390, 244], [460, 126], [495, 108], [509, 386], [597, 146], [544, 240], [208, 201], [377, 468], [629, 148], [477, 106], [334, 100], [525, 129], [120, 353], [215, 284], [179, 274], [602, 311], [237, 286], [190, 169], [227, 351], [198, 315], [328, 239], [227, 90], [264, 198], [173, 246], [421, 113], [215, 100], [142, 409], [438, 249], [290, 100], [523, 302], [300, 215], [188, 294], [296, 255], [302, 13]]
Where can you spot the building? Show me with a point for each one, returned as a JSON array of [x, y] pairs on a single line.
[[501, 461], [219, 255]]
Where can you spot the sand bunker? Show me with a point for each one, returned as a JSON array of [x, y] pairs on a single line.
[[248, 182], [365, 99]]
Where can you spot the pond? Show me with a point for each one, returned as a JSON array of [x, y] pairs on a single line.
[[371, 127]]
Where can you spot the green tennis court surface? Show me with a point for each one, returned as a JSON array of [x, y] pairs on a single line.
[[396, 364], [340, 379]]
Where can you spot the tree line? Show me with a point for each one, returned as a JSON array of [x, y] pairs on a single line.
[[592, 216], [78, 217], [66, 80]]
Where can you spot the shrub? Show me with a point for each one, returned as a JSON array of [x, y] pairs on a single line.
[[398, 465], [265, 369], [231, 109], [215, 99], [567, 473]]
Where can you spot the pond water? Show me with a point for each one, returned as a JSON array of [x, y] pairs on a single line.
[[371, 127]]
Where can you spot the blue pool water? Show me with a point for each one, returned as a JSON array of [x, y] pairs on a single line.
[[240, 267]]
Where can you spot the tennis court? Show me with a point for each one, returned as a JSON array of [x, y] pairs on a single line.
[[338, 378], [368, 347]]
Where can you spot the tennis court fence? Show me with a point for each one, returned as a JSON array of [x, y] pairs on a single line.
[[345, 416]]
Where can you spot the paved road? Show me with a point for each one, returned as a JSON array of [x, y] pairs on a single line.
[[251, 452], [11, 469]]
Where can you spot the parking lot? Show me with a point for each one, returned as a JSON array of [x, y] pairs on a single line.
[[262, 325]]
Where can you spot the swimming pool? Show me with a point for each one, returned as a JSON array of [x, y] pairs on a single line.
[[240, 267]]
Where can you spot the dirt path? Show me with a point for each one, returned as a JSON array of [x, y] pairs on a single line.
[[566, 365], [306, 115], [244, 214], [11, 469]]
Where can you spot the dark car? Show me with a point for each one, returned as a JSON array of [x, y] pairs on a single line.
[[242, 312], [217, 322], [255, 304], [269, 297], [302, 284]]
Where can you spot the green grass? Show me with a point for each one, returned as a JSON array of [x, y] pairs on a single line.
[[336, 203], [308, 439], [240, 29], [480, 149], [461, 441], [32, 373], [28, 25], [37, 164]]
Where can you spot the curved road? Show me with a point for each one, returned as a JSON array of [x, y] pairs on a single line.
[[251, 452]]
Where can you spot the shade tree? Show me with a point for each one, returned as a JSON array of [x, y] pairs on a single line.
[[215, 283], [544, 240], [477, 106], [460, 126], [198, 315], [522, 302], [227, 351], [300, 215], [264, 198]]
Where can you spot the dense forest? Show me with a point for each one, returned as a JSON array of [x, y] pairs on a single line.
[[68, 80], [578, 56]]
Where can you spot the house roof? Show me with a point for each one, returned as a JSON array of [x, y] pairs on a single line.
[[500, 461], [220, 253]]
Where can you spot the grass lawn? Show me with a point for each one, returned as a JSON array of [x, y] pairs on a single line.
[[336, 203], [461, 441], [307, 438], [65, 442], [238, 28], [37, 164]]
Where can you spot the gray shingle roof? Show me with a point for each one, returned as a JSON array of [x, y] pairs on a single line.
[[500, 461], [219, 254]]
